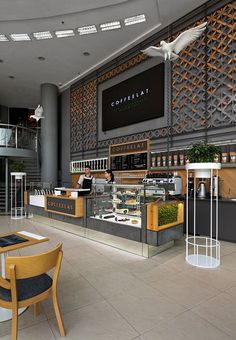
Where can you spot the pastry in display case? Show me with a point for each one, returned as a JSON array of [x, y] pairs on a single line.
[[122, 203]]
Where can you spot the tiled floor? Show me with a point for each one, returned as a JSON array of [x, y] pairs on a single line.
[[108, 294]]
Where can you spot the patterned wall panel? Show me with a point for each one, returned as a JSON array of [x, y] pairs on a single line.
[[90, 116], [84, 117], [221, 67], [188, 88], [202, 90], [76, 112]]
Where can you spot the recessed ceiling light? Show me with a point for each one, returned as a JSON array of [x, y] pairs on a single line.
[[135, 20], [11, 77], [1, 61], [20, 37], [42, 35], [60, 84], [41, 58], [110, 25], [87, 29], [65, 33], [86, 54], [3, 37]]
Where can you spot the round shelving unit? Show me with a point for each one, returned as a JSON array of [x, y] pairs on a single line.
[[203, 251], [18, 187]]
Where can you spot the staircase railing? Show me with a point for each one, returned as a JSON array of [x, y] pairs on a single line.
[[15, 136]]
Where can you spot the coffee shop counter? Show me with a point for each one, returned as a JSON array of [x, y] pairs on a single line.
[[227, 226], [65, 204]]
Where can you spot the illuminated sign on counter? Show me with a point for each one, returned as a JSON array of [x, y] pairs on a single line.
[[60, 205]]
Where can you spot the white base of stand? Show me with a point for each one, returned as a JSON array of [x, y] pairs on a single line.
[[6, 314], [202, 261]]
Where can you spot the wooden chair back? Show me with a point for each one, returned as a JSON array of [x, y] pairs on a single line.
[[29, 266]]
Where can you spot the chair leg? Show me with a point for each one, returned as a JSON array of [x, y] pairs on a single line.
[[14, 324], [58, 314], [36, 309]]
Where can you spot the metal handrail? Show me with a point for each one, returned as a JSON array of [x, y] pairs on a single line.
[[16, 136]]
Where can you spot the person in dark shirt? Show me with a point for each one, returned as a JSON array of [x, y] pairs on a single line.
[[86, 180]]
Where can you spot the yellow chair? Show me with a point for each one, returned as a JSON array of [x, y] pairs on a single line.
[[27, 284]]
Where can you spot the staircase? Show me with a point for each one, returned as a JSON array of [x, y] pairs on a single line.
[[32, 170], [2, 199]]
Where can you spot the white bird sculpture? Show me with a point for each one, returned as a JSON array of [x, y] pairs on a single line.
[[171, 50], [38, 113]]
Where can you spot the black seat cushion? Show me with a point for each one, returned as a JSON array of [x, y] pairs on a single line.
[[27, 288]]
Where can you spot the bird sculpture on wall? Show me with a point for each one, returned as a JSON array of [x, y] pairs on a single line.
[[38, 113], [170, 51]]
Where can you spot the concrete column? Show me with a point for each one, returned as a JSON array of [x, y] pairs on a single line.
[[49, 134]]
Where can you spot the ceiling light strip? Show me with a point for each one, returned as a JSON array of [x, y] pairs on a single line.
[[137, 19], [65, 33], [42, 35], [3, 37], [20, 37], [87, 29], [110, 25]]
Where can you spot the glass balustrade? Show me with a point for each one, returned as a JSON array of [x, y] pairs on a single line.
[[14, 136]]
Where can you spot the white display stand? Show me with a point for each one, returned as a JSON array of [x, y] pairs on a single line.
[[18, 187], [203, 251]]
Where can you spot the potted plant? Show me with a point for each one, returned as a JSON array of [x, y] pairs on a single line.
[[201, 158], [17, 168]]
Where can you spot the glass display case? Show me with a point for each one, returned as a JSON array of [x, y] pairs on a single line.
[[122, 204]]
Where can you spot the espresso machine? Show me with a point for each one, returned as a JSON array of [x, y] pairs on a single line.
[[201, 191]]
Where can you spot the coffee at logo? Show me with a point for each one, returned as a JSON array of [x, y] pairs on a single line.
[[130, 97]]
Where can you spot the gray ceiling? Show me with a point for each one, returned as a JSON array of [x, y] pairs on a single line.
[[64, 56]]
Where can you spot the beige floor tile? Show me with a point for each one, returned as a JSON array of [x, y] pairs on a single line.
[[42, 331], [97, 322], [232, 291], [187, 326], [220, 311], [228, 261], [72, 295], [113, 283], [186, 290], [106, 293], [145, 308], [26, 319], [219, 278]]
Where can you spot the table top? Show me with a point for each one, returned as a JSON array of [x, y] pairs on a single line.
[[30, 237]]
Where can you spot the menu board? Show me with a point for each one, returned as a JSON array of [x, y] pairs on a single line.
[[137, 161]]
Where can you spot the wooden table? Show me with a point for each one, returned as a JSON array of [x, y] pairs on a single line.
[[32, 239]]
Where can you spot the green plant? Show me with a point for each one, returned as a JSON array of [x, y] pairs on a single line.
[[202, 152], [17, 166], [167, 214]]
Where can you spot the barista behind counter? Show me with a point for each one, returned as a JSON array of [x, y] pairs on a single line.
[[86, 180]]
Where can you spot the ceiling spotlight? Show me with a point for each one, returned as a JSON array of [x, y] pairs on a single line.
[[59, 84], [42, 35], [3, 37], [65, 33], [87, 29], [41, 58], [86, 54], [1, 60], [11, 77], [20, 37], [135, 20], [110, 25]]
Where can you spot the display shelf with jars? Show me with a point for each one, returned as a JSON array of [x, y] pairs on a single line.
[[176, 158]]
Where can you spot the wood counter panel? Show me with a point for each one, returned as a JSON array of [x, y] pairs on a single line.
[[77, 206]]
